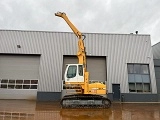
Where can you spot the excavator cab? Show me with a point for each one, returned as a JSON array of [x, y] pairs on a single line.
[[74, 73]]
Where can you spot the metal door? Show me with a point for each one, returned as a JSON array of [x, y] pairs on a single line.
[[116, 92]]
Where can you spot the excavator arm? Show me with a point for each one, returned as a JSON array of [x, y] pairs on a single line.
[[81, 54], [81, 49], [74, 29]]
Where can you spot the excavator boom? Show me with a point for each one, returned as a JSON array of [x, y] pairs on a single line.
[[81, 49], [74, 29]]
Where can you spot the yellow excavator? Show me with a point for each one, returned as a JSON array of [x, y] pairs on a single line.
[[79, 91]]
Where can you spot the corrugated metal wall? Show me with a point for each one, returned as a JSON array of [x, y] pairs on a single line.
[[120, 49], [156, 51], [156, 57]]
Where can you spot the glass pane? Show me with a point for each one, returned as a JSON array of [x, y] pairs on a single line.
[[19, 81], [4, 81], [80, 68], [34, 81], [26, 86], [138, 78], [131, 78], [132, 87], [11, 81], [130, 68], [10, 86], [72, 70], [3, 86], [144, 69], [137, 69], [157, 69], [33, 86], [139, 87], [146, 87], [146, 78], [18, 86], [26, 81], [157, 74]]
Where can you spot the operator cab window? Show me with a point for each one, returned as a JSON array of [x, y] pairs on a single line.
[[72, 70], [80, 68]]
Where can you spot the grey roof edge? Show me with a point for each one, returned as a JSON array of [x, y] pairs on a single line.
[[72, 32], [155, 44]]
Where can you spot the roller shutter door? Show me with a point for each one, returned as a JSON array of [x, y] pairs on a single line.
[[95, 65], [19, 76]]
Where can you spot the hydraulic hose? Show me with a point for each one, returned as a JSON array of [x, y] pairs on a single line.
[[84, 37]]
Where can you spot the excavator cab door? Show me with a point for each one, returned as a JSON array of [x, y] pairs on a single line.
[[74, 73]]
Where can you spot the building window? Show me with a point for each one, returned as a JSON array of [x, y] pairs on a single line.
[[138, 78], [18, 84]]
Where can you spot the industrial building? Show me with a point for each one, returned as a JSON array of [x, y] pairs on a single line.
[[32, 64]]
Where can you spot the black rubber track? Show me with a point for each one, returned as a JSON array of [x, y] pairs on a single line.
[[106, 103]]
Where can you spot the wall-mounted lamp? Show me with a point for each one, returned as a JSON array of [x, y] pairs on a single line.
[[18, 46]]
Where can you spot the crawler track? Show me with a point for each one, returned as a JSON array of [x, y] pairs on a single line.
[[85, 101]]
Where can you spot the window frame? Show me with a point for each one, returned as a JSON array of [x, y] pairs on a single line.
[[80, 73], [19, 85], [140, 74], [72, 73]]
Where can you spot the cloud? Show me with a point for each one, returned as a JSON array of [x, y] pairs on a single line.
[[100, 16]]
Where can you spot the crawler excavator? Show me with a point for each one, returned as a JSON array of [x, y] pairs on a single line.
[[80, 92]]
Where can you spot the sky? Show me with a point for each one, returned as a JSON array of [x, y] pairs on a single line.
[[91, 16]]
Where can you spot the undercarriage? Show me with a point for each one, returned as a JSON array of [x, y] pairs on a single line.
[[85, 101]]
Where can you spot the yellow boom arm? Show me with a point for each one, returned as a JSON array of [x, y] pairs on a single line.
[[81, 49]]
